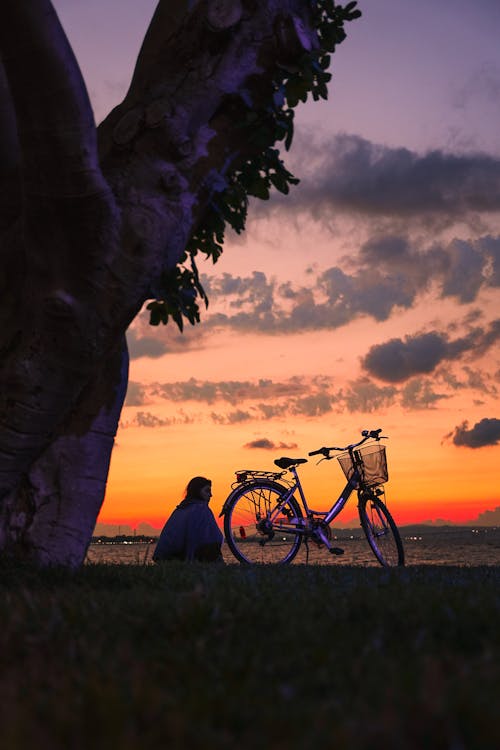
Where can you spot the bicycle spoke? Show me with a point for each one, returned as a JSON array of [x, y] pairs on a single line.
[[256, 530]]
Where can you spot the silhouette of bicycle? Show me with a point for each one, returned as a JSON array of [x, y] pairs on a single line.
[[264, 522]]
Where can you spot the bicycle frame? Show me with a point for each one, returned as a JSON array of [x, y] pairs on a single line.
[[329, 515], [277, 513]]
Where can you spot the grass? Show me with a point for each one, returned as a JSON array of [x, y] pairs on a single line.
[[193, 656]]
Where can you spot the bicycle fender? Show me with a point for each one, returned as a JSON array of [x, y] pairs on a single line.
[[237, 490]]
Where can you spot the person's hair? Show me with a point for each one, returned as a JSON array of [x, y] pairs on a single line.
[[195, 485]]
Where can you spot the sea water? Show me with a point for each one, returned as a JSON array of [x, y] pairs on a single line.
[[449, 545]]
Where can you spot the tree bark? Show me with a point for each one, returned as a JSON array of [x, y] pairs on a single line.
[[92, 222], [52, 515]]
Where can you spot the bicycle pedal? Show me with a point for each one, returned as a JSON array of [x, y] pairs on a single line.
[[336, 551]]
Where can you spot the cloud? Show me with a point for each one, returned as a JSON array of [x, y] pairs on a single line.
[[367, 292], [490, 247], [391, 271], [334, 299], [388, 274], [360, 177], [153, 342], [458, 269], [232, 391], [269, 445], [305, 396], [484, 433], [488, 517], [482, 87], [365, 396], [418, 393], [463, 275], [148, 419], [136, 394], [255, 290], [314, 405], [233, 417], [388, 187], [313, 397], [145, 346], [398, 360]]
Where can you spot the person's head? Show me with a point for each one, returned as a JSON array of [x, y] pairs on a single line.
[[199, 487]]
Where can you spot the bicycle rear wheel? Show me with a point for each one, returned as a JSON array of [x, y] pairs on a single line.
[[260, 529], [381, 531]]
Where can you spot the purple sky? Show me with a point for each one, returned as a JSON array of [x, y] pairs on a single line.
[[368, 297], [420, 74]]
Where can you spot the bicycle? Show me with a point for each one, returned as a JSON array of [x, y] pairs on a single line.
[[265, 523]]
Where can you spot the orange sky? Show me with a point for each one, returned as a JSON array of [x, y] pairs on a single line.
[[367, 298]]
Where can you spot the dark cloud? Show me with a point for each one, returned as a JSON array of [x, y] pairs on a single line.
[[489, 517], [232, 391], [145, 346], [255, 290], [463, 276], [136, 394], [367, 292], [485, 432], [479, 381], [458, 269], [350, 174], [269, 445], [363, 395], [145, 340], [298, 395], [358, 176], [398, 360], [482, 86], [388, 274], [336, 299], [490, 247], [270, 411], [313, 397], [148, 419], [314, 405], [233, 417], [419, 393]]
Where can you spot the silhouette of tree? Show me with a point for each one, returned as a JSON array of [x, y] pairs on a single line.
[[95, 222]]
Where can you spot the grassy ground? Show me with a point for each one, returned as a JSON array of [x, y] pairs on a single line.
[[193, 656]]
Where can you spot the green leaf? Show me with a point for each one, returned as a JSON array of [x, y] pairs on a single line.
[[180, 288]]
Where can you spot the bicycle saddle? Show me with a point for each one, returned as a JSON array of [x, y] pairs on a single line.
[[285, 463]]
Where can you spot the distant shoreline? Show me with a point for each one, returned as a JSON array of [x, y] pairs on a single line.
[[406, 530]]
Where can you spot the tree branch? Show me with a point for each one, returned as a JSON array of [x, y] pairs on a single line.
[[165, 148]]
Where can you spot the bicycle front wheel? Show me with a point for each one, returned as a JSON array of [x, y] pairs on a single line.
[[259, 527], [381, 531]]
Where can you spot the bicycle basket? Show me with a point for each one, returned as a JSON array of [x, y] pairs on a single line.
[[371, 464]]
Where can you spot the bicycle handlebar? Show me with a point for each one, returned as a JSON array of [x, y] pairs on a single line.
[[323, 451], [367, 434]]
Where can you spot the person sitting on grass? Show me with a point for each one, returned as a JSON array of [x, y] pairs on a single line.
[[191, 532]]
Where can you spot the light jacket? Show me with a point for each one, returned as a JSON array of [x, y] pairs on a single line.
[[191, 533]]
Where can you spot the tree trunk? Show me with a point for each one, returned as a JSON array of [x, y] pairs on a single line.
[[51, 517], [90, 223]]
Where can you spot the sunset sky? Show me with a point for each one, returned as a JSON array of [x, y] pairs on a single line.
[[368, 297]]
